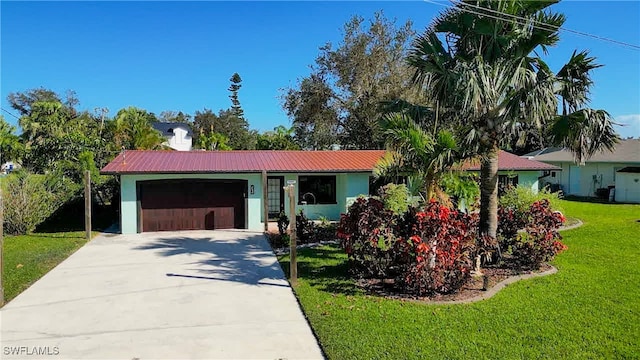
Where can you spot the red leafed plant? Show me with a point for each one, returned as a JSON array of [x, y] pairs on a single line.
[[541, 240], [366, 234], [438, 247]]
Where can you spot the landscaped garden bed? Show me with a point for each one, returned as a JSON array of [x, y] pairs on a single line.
[[476, 288], [588, 309]]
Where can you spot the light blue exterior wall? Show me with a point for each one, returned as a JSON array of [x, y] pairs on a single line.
[[528, 179], [348, 187], [525, 178]]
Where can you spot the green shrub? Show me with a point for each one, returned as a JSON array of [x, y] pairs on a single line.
[[283, 223], [395, 198], [520, 198], [29, 199], [278, 241], [463, 190], [304, 228]]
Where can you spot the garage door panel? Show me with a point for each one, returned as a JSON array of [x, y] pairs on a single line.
[[192, 205]]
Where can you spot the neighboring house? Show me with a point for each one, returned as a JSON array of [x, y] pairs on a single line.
[[8, 167], [628, 185], [178, 135], [514, 170], [601, 171], [169, 190]]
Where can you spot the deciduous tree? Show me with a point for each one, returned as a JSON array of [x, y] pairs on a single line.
[[340, 101]]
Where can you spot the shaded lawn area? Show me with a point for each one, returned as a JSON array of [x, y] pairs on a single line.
[[28, 257], [590, 309]]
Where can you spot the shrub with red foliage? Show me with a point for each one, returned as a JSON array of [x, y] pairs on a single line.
[[437, 248], [366, 234], [541, 240], [509, 222], [433, 250]]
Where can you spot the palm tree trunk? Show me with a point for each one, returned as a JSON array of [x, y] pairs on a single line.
[[431, 193], [489, 192]]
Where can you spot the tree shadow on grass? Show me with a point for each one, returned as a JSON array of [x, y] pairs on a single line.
[[246, 259], [592, 200], [325, 269]]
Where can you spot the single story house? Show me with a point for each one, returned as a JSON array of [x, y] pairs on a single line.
[[514, 170], [181, 190], [177, 135], [599, 172]]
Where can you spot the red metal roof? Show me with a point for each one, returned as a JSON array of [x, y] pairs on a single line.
[[132, 161], [167, 162], [510, 162]]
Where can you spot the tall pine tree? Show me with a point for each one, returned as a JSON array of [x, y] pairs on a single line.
[[236, 84]]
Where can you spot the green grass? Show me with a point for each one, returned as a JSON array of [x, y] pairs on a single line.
[[590, 309], [28, 257]]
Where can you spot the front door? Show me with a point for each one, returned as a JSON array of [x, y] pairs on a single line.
[[275, 193]]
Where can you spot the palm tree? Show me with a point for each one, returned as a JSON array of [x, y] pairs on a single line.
[[412, 150], [132, 130], [582, 130], [10, 146], [487, 69]]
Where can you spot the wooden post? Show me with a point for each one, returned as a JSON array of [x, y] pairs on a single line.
[[87, 204], [265, 200], [1, 247], [292, 235]]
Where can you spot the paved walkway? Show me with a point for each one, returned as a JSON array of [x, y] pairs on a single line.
[[182, 295]]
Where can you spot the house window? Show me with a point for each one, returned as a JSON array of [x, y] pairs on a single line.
[[317, 189], [506, 181]]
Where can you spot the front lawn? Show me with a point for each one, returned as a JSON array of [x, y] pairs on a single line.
[[28, 257], [589, 309]]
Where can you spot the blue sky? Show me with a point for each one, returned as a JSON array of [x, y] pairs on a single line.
[[180, 56]]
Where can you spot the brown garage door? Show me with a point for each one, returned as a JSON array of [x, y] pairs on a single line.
[[167, 205]]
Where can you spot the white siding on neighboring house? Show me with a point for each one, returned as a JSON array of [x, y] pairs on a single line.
[[627, 187], [584, 180], [180, 140], [600, 170]]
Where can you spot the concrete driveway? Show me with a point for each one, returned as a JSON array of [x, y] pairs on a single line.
[[182, 295]]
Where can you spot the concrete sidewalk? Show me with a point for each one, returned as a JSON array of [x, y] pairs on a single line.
[[184, 295]]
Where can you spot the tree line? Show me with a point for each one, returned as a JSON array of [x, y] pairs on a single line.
[[59, 142], [469, 85]]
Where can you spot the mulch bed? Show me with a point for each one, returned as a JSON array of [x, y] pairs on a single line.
[[472, 289]]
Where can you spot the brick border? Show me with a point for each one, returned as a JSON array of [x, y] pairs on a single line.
[[491, 292], [577, 225]]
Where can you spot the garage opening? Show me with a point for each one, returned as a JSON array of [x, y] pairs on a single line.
[[194, 204]]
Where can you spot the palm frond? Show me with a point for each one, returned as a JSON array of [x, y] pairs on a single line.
[[584, 133], [574, 81]]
